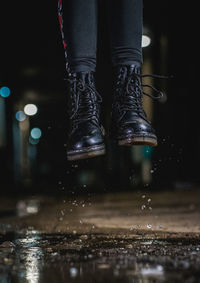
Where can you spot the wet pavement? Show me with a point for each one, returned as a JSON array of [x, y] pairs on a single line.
[[121, 237]]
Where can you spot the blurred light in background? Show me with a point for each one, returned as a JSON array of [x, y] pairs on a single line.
[[146, 41], [147, 152], [30, 109], [33, 141], [20, 116], [2, 123], [4, 91], [36, 133]]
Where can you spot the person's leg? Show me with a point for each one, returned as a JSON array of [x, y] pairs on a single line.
[[125, 20], [78, 22], [130, 125]]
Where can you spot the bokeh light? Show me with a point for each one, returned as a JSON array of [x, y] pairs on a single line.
[[20, 116], [30, 109], [33, 141], [4, 91], [36, 133], [146, 41]]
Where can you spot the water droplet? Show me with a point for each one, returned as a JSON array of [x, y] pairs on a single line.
[[152, 171], [84, 237], [149, 200], [74, 166], [143, 196], [74, 232], [149, 226], [54, 254], [143, 206], [129, 246]]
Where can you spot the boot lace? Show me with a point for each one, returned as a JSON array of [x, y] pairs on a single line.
[[132, 99], [85, 101]]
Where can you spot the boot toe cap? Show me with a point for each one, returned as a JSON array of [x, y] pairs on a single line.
[[80, 142], [136, 128]]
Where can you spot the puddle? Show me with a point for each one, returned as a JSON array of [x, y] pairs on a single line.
[[34, 257]]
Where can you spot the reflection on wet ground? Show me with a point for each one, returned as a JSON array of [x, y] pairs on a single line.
[[33, 248], [97, 258]]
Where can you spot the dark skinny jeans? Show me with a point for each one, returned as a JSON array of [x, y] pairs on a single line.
[[78, 21]]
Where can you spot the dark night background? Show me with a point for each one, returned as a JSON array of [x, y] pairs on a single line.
[[32, 66]]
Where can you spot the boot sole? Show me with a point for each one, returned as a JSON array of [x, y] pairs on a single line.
[[138, 140], [88, 152]]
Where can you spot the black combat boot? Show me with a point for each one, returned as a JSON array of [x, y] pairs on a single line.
[[130, 125], [85, 137]]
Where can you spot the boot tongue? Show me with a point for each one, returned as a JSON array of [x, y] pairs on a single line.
[[127, 70], [134, 68], [86, 77], [82, 75]]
